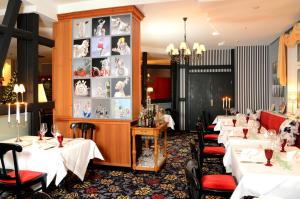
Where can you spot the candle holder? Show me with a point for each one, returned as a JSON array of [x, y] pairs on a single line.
[[18, 123], [226, 110], [226, 104]]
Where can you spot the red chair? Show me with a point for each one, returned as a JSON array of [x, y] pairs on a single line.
[[209, 151], [208, 137], [213, 185], [18, 180], [208, 127]]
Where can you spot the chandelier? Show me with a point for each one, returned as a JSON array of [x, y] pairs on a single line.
[[184, 55]]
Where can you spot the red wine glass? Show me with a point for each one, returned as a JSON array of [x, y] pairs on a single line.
[[245, 131], [283, 143], [268, 154], [247, 119], [60, 139], [234, 122]]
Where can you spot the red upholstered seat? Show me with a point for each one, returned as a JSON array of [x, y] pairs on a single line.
[[271, 120], [211, 126], [25, 176], [214, 150], [218, 182], [211, 136]]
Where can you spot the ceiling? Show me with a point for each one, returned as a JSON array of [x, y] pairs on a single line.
[[238, 22]]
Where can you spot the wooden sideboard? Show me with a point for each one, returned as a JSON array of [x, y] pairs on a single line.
[[112, 136], [155, 133]]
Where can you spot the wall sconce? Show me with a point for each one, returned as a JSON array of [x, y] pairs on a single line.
[[41, 92], [16, 90], [22, 90]]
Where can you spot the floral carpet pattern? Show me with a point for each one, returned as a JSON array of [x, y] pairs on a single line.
[[169, 182]]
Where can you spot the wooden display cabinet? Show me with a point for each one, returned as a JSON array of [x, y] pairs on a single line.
[[112, 136], [155, 133]]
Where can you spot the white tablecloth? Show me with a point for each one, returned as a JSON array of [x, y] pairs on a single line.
[[169, 119], [246, 143], [256, 179], [221, 120], [45, 156]]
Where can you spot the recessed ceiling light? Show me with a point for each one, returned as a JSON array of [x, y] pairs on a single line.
[[215, 33], [221, 43]]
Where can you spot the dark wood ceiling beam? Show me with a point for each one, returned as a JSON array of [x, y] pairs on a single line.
[[9, 21]]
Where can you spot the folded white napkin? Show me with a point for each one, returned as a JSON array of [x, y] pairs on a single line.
[[252, 155]]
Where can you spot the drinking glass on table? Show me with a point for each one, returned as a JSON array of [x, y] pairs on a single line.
[[54, 130], [60, 139], [234, 122], [43, 130], [245, 131], [268, 154], [283, 142]]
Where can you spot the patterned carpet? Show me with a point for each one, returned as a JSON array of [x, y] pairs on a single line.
[[170, 182]]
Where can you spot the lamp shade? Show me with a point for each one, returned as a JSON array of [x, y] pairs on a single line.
[[183, 46], [16, 88], [22, 88], [42, 95], [149, 89]]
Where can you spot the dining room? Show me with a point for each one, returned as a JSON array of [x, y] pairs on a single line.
[[150, 99]]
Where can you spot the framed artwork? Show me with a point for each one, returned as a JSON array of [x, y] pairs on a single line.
[[282, 108], [101, 46], [82, 68], [81, 48], [120, 66], [82, 108], [82, 28], [277, 89], [120, 45], [120, 87], [121, 25], [272, 108], [101, 26], [102, 67]]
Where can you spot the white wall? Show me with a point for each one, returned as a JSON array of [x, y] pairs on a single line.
[[292, 67]]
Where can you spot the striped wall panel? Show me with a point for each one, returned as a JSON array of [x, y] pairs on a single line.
[[251, 78], [215, 57]]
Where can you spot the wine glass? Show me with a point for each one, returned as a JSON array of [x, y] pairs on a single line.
[[54, 130], [60, 139], [283, 143], [247, 119], [268, 154], [43, 130], [234, 122], [245, 131]]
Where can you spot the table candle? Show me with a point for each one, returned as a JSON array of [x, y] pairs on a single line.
[[8, 115], [226, 99], [223, 101], [25, 112], [229, 103], [18, 112]]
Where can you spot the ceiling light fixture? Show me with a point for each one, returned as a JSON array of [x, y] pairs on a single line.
[[215, 33], [184, 53]]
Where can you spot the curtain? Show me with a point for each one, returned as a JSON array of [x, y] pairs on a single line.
[[286, 40], [281, 65]]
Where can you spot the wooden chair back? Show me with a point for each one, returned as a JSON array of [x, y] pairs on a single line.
[[85, 128], [14, 148]]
